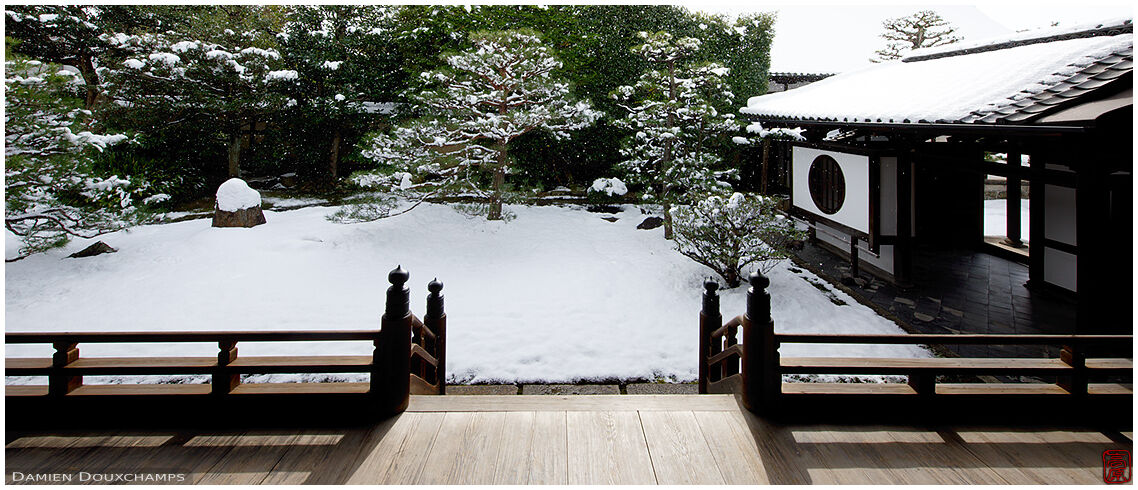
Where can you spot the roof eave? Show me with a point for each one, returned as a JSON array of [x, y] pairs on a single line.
[[920, 127]]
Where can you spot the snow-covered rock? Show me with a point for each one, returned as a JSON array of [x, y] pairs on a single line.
[[235, 194], [610, 187], [238, 206]]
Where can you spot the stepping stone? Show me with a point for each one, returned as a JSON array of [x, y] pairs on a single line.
[[662, 389], [570, 390], [905, 301], [923, 317], [482, 389]]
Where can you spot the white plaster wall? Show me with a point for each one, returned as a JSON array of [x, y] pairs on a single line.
[[854, 212], [1059, 268], [883, 260], [1059, 214]]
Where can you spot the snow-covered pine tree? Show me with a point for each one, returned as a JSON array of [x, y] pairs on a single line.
[[51, 191], [676, 127], [476, 106], [346, 75], [230, 83], [732, 234], [923, 29]]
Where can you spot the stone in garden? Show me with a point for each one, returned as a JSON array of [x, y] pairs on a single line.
[[238, 206], [650, 223], [98, 248], [289, 179], [610, 219]]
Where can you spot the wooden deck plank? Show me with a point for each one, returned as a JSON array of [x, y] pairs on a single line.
[[60, 453], [607, 448], [312, 452], [680, 454], [534, 450], [732, 447], [1041, 456], [251, 457], [570, 403], [465, 449], [398, 457]]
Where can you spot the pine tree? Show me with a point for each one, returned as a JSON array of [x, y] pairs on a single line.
[[485, 99], [923, 29], [231, 82], [677, 128], [346, 75], [51, 190]]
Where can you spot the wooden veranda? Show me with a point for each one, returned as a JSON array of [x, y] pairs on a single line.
[[597, 439]]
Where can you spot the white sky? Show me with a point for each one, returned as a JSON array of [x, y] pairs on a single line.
[[815, 37]]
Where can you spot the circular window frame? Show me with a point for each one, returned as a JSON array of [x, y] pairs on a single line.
[[827, 184]]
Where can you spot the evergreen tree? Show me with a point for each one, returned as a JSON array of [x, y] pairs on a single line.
[[51, 190], [672, 112], [231, 83], [923, 29], [485, 99], [347, 77]]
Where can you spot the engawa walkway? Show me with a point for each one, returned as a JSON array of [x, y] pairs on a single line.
[[600, 439]]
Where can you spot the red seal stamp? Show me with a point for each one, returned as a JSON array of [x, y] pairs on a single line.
[[1116, 466]]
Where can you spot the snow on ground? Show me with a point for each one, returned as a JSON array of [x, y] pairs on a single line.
[[996, 218], [556, 295]]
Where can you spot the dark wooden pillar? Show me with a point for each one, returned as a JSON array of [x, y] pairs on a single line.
[[1092, 235], [710, 319], [58, 383], [391, 365], [1013, 181], [1036, 215], [436, 320], [903, 250], [762, 379]]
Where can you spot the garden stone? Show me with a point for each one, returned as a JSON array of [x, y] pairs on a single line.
[[237, 206], [650, 223], [610, 219], [98, 248]]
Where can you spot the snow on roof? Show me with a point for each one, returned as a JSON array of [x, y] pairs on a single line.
[[999, 80]]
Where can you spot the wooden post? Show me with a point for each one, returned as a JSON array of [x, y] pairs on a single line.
[[766, 166], [59, 384], [923, 383], [436, 320], [223, 380], [1013, 180], [903, 250], [1076, 383], [762, 379], [391, 372], [709, 320]]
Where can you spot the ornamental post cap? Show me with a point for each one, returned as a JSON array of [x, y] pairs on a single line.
[[710, 285], [435, 286], [758, 280], [398, 276]]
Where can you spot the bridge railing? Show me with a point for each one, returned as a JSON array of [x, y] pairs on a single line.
[[409, 356], [1089, 366]]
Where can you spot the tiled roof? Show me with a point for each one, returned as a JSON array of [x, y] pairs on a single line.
[[1011, 80]]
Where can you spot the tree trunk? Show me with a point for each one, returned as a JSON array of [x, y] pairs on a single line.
[[668, 234], [732, 278], [235, 154], [334, 159], [496, 191], [90, 79]]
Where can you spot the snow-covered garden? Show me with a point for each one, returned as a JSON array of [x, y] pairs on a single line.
[[558, 294]]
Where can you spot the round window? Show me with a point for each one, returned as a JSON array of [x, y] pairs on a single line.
[[827, 184]]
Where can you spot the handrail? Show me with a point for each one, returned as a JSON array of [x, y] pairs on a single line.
[[951, 339], [389, 366], [199, 336], [762, 368]]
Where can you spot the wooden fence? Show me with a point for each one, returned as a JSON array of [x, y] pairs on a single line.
[[755, 368], [409, 357]]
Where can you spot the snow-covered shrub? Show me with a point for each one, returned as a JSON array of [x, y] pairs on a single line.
[[731, 234], [606, 191]]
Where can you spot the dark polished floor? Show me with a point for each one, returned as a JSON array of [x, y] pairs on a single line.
[[959, 291]]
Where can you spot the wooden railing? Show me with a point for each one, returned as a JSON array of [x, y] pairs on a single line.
[[408, 357], [755, 368]]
